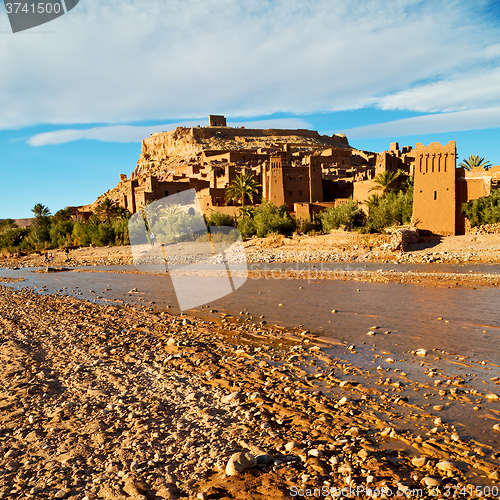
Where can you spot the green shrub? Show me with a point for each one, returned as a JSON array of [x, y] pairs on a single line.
[[13, 238], [120, 227], [269, 218], [219, 219], [102, 234], [390, 210], [81, 234], [347, 214], [484, 210], [246, 227], [61, 233]]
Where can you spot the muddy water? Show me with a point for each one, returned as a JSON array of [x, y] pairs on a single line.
[[464, 343]]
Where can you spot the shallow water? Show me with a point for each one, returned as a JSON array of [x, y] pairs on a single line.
[[470, 328]]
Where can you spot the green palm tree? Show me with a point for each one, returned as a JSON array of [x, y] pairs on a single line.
[[373, 201], [106, 210], [475, 161], [243, 188], [40, 210], [385, 182]]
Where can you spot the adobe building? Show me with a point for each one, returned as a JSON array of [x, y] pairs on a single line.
[[480, 182], [439, 189], [217, 121], [284, 183]]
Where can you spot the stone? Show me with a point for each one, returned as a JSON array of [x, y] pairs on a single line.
[[240, 462], [292, 445], [446, 466], [419, 461], [231, 398], [431, 482], [315, 453], [496, 427], [60, 494], [265, 459], [421, 352]]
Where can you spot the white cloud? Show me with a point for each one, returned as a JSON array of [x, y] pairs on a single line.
[[130, 133], [475, 119], [476, 89], [123, 61]]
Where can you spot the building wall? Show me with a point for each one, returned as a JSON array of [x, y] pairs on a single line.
[[217, 121], [315, 183], [435, 203], [477, 187], [362, 190]]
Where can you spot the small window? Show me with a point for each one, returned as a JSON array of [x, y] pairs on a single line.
[[166, 193], [435, 195], [290, 193], [300, 193]]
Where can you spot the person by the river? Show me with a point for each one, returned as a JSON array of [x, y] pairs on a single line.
[[152, 238]]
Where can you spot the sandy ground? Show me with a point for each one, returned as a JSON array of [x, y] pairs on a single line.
[[101, 402]]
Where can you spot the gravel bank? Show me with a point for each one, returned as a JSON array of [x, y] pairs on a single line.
[[101, 402]]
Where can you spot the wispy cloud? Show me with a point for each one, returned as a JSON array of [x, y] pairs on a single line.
[[471, 90], [131, 133], [123, 61], [475, 119]]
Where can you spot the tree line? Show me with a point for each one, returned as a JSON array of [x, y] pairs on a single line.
[[106, 226]]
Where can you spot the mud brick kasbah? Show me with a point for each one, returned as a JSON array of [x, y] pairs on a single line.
[[302, 169]]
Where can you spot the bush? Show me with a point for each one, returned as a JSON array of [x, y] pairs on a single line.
[[484, 210], [120, 227], [246, 227], [390, 210], [14, 238], [60, 233], [219, 219], [347, 214], [269, 218], [102, 234], [81, 234]]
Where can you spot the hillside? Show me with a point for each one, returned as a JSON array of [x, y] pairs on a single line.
[[162, 152]]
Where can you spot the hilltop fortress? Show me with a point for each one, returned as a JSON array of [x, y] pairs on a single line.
[[300, 168]]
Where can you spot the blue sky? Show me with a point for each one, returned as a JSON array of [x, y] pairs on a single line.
[[78, 94]]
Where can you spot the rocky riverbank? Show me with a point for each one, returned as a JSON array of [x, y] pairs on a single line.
[[102, 402], [338, 246]]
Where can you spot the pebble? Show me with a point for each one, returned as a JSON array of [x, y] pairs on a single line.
[[239, 462], [431, 482], [315, 453], [419, 461], [446, 466]]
